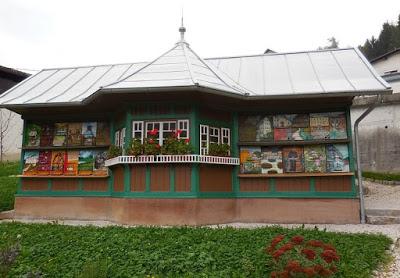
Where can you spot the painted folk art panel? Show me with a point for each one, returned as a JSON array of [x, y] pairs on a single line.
[[256, 128], [315, 158], [74, 134], [33, 132], [271, 160], [293, 159], [337, 158], [250, 158], [57, 162], [31, 159]]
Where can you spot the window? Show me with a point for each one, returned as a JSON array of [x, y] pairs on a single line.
[[213, 135], [137, 130], [119, 137], [165, 128]]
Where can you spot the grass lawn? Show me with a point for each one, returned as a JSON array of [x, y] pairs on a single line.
[[8, 185], [63, 251]]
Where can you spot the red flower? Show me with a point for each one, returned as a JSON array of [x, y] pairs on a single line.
[[274, 274], [325, 272], [187, 141], [329, 256], [309, 253], [153, 132], [288, 246], [277, 254], [158, 146], [178, 132], [309, 271], [278, 239], [151, 141], [318, 268], [284, 274], [297, 240], [293, 266], [329, 247], [315, 243]]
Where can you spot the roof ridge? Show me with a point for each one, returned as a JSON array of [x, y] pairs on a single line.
[[184, 45]]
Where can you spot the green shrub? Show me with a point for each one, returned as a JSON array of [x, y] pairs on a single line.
[[135, 148], [114, 151], [381, 176], [218, 149]]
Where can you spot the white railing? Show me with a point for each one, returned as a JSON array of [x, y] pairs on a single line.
[[187, 158]]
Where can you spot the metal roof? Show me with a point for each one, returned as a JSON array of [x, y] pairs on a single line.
[[327, 72], [178, 67], [302, 73]]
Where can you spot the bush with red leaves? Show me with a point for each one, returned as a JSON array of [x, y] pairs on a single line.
[[296, 257]]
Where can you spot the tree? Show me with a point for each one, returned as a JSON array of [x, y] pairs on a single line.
[[6, 117], [388, 40], [333, 43]]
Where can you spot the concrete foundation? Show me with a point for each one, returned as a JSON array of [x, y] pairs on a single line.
[[189, 211]]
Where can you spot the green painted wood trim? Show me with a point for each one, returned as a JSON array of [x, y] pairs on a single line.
[[128, 128], [195, 141], [272, 183], [127, 178], [352, 159], [148, 179], [145, 117], [80, 185], [235, 152], [312, 184], [112, 131], [21, 160], [49, 185], [172, 178]]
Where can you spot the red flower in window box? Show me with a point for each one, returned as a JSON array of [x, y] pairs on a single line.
[[151, 141], [153, 132], [187, 140]]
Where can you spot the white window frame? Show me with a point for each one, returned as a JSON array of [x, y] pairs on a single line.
[[161, 131], [204, 130], [137, 128], [122, 139], [184, 126], [223, 134], [215, 132]]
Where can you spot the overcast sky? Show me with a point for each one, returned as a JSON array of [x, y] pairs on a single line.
[[57, 33]]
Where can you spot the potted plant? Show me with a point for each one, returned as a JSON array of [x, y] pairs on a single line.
[[219, 149]]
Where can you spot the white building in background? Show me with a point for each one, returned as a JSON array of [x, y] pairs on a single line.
[[380, 130], [10, 122]]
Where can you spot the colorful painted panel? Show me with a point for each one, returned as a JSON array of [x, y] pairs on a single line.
[[86, 160], [31, 159], [293, 159], [248, 128], [46, 136], [271, 160], [301, 133], [315, 158], [291, 120], [320, 132], [74, 134], [71, 164], [33, 132], [337, 122], [99, 167], [337, 158], [103, 134], [250, 160], [256, 128], [283, 134], [57, 162], [44, 163], [60, 134], [89, 130]]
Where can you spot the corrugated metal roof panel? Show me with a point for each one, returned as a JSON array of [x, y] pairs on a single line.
[[286, 74]]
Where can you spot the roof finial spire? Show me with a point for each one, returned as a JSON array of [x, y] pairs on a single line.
[[182, 29]]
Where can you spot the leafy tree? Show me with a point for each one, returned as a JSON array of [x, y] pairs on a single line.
[[388, 40]]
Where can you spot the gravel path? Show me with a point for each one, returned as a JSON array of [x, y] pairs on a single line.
[[382, 196]]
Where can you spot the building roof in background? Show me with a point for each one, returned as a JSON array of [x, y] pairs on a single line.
[[316, 73], [383, 56], [14, 72]]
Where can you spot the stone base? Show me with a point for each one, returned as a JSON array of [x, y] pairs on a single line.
[[189, 211]]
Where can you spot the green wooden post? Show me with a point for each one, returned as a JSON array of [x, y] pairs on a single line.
[[350, 149], [172, 178], [128, 137], [21, 162], [112, 139], [195, 141], [272, 185], [235, 152], [312, 185]]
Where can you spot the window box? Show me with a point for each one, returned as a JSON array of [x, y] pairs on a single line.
[[188, 158]]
